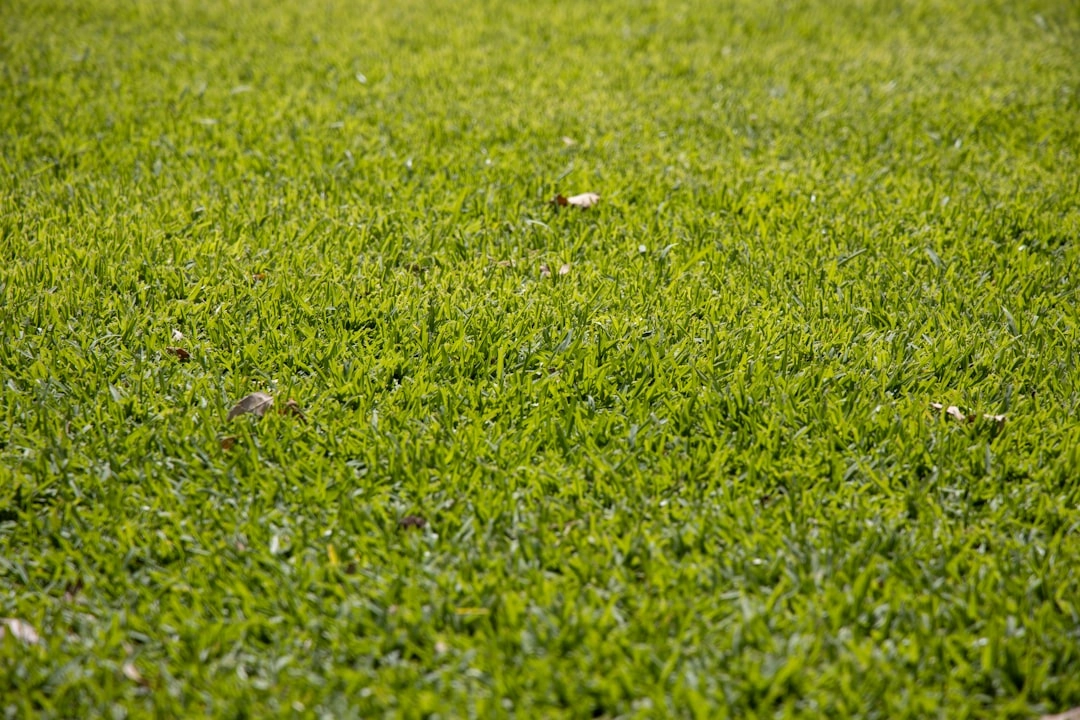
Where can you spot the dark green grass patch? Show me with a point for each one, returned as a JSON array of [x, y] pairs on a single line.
[[673, 455]]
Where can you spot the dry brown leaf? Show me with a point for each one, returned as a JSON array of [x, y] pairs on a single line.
[[583, 201], [954, 412], [228, 442], [256, 403], [20, 630], [179, 353], [132, 673], [565, 269], [412, 521], [1073, 714], [292, 408], [258, 277], [957, 414]]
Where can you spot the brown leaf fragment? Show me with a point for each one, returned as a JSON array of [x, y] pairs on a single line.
[[179, 353], [560, 201], [564, 269], [412, 521], [292, 408], [957, 414], [584, 200], [20, 630], [258, 277], [1073, 714], [954, 412], [256, 403], [132, 673], [228, 442]]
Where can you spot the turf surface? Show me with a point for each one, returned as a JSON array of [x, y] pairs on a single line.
[[672, 455]]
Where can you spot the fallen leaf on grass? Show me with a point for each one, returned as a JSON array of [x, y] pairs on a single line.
[[258, 277], [132, 673], [292, 408], [960, 416], [179, 353], [256, 403], [954, 412], [228, 442], [412, 521], [583, 201], [20, 630], [545, 270]]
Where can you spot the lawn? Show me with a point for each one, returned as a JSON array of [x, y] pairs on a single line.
[[784, 425]]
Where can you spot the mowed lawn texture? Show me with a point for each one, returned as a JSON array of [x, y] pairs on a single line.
[[672, 455]]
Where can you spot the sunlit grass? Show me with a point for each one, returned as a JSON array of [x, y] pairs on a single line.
[[673, 455]]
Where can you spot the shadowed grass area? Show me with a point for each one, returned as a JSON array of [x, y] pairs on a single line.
[[675, 455]]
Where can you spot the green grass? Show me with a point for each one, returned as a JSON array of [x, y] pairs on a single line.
[[697, 475]]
